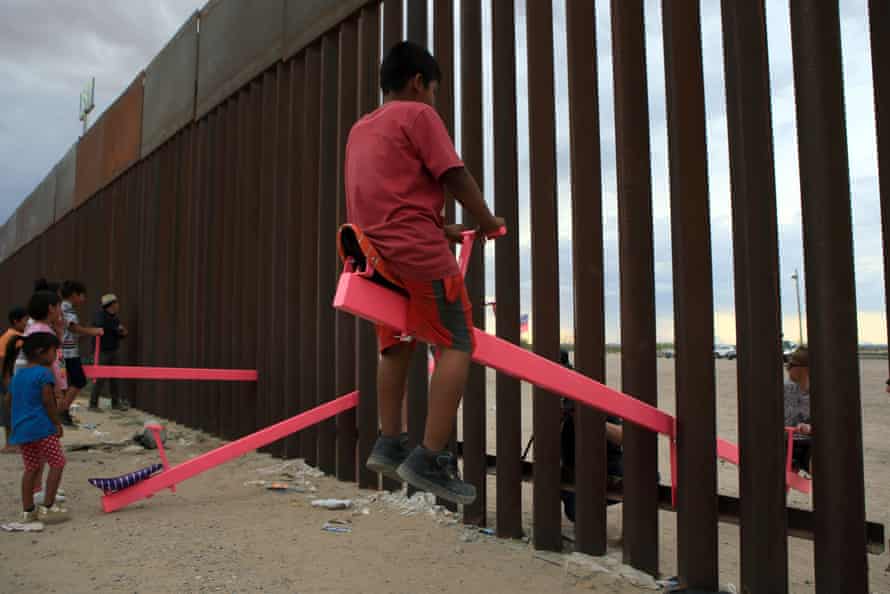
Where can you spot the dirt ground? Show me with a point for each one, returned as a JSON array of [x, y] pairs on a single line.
[[221, 533]]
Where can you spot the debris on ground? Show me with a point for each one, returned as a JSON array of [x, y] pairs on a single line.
[[19, 527], [332, 504], [338, 526], [419, 503]]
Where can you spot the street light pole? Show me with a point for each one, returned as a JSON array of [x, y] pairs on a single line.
[[796, 278]]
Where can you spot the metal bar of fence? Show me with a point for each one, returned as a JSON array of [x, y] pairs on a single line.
[[418, 374], [366, 345], [508, 390], [764, 547], [393, 22], [638, 364], [545, 268], [587, 245], [879, 23], [247, 355], [267, 349], [474, 401], [693, 296], [839, 487], [327, 256], [308, 273], [443, 48], [278, 298], [225, 177], [347, 113], [293, 202]]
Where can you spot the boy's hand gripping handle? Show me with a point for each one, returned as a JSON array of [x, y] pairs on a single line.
[[466, 246]]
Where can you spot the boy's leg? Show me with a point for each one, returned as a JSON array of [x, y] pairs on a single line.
[[440, 312], [446, 388], [392, 374]]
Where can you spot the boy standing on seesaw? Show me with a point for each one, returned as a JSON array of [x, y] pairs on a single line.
[[399, 163]]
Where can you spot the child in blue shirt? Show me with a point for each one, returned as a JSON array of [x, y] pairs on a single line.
[[35, 425]]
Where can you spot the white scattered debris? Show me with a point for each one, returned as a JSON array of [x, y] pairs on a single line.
[[332, 503], [293, 469]]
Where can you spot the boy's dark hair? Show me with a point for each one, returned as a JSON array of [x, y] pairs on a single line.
[[70, 288], [40, 302], [16, 314], [41, 284], [403, 62]]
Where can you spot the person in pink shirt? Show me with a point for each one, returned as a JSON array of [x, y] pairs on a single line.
[[399, 163]]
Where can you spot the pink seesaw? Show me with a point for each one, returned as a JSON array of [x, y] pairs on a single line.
[[361, 293], [97, 371], [171, 476]]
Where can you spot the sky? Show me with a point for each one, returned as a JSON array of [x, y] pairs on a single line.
[[49, 49]]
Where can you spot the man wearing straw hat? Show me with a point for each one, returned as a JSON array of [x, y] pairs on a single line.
[[108, 320]]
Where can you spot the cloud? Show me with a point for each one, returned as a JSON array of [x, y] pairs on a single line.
[[49, 49]]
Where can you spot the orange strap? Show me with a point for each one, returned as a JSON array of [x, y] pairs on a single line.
[[370, 253]]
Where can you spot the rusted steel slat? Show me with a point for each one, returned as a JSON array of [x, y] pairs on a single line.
[[587, 258], [366, 354], [308, 273], [344, 355], [327, 255], [839, 487], [545, 268], [474, 429], [509, 395], [267, 349], [879, 22], [638, 364], [293, 387], [693, 296], [393, 22], [764, 547]]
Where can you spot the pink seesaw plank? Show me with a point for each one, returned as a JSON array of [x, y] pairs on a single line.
[[169, 373], [97, 371], [368, 300], [221, 455], [730, 452], [371, 301]]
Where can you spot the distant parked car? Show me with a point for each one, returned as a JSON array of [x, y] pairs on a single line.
[[666, 353], [788, 347], [724, 352]]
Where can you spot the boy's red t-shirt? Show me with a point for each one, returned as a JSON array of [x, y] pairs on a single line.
[[395, 157]]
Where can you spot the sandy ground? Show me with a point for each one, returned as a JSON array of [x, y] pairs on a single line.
[[220, 534]]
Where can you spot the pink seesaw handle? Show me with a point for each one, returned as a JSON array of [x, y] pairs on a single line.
[[466, 246]]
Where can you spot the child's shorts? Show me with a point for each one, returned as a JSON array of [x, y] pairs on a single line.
[[74, 371], [439, 312], [43, 451]]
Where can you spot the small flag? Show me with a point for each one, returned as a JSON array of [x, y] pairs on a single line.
[[523, 324]]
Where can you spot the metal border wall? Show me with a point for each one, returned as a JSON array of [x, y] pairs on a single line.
[[227, 221]]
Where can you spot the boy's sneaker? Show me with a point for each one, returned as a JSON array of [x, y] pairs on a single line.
[[52, 515], [66, 419], [40, 497], [30, 516], [436, 472], [388, 454], [121, 405]]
